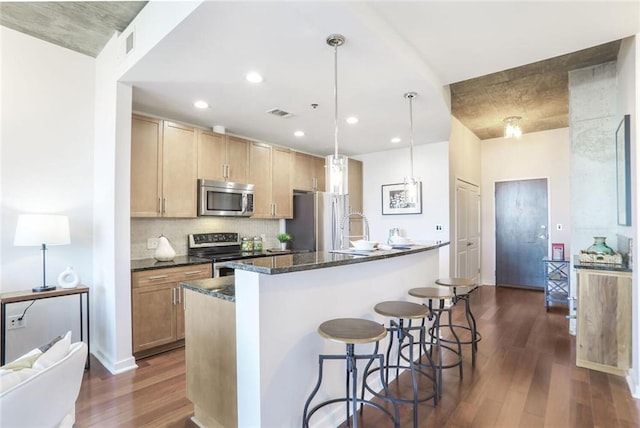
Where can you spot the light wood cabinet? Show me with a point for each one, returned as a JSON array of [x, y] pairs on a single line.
[[356, 227], [270, 172], [210, 360], [307, 172], [603, 339], [157, 307], [222, 157], [163, 168]]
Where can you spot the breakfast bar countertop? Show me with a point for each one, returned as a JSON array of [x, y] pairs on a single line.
[[223, 288], [297, 262]]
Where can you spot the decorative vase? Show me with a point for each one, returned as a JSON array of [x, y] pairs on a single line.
[[600, 246], [164, 252], [283, 245], [68, 278]]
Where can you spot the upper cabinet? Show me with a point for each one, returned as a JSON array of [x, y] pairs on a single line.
[[355, 186], [163, 168], [222, 157], [308, 172], [270, 172]]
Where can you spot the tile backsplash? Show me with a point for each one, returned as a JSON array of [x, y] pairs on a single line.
[[177, 230]]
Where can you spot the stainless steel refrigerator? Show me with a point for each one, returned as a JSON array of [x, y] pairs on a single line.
[[319, 222]]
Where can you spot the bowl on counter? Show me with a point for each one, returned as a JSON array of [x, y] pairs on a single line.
[[400, 240], [364, 245]]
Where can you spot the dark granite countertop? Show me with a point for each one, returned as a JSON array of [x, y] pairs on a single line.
[[577, 264], [146, 264], [222, 288], [297, 262]]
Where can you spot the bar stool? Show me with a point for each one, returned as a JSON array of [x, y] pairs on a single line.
[[462, 288], [352, 331], [400, 312], [440, 294]]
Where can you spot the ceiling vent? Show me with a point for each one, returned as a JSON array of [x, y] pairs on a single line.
[[279, 113]]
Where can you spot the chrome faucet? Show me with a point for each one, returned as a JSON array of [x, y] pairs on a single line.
[[346, 218]]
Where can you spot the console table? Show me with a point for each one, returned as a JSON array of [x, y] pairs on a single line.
[[27, 295]]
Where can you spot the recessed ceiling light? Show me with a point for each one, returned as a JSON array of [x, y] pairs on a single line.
[[253, 77], [396, 140], [299, 133], [201, 104], [352, 120]]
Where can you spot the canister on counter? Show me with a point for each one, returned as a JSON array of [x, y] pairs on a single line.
[[246, 244], [257, 243]]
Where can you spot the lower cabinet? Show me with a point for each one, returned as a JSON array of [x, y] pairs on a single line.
[[157, 307], [603, 337]]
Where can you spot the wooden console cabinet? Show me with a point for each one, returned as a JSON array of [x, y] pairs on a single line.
[[157, 307], [603, 340]]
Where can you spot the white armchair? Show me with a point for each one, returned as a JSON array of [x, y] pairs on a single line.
[[46, 399]]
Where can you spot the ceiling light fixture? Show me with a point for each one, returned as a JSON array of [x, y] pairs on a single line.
[[352, 120], [254, 77], [411, 183], [201, 104], [299, 133], [512, 127], [336, 164]]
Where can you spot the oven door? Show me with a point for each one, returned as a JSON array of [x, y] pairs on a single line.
[[221, 269]]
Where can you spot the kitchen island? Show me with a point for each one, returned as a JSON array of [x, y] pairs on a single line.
[[277, 304]]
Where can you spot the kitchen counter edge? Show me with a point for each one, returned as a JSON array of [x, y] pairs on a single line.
[[148, 264], [222, 288], [275, 265]]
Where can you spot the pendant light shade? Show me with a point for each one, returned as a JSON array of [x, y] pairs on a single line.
[[411, 183], [336, 164], [512, 127]]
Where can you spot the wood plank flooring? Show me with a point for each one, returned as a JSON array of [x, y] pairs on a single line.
[[525, 376]]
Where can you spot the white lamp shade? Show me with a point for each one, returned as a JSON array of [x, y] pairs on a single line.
[[38, 229]]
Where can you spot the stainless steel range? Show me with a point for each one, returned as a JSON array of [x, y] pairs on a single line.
[[220, 247]]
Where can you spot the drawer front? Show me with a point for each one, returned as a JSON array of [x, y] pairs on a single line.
[[170, 275]]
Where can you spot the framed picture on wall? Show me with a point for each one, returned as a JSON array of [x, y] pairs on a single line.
[[557, 251], [394, 200]]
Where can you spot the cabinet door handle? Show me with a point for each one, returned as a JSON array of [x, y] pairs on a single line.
[[173, 295], [179, 293], [159, 206], [157, 277], [193, 272], [164, 205]]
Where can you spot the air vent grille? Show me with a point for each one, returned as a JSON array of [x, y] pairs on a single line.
[[279, 113]]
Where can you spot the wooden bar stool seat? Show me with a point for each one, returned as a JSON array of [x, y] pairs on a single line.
[[401, 314], [435, 303], [462, 288], [351, 331]]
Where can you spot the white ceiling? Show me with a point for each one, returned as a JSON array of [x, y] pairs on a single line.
[[391, 47]]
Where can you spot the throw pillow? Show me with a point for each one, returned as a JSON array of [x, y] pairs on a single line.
[[24, 362], [54, 354]]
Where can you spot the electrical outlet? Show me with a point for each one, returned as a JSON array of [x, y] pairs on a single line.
[[438, 227], [15, 322], [152, 243], [559, 226]]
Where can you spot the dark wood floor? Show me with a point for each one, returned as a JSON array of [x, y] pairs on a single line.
[[525, 376]]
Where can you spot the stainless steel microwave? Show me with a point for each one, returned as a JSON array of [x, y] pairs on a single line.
[[223, 198]]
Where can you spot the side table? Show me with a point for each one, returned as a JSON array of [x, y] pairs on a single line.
[[27, 295], [556, 281]]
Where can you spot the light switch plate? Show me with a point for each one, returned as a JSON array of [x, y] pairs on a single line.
[[152, 243]]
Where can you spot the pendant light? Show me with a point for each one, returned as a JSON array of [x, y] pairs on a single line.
[[512, 127], [336, 164], [411, 183]]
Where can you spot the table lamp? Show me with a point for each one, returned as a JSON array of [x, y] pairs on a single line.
[[42, 230]]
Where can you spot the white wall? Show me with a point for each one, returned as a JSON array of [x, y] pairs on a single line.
[[431, 165], [47, 162], [535, 155]]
